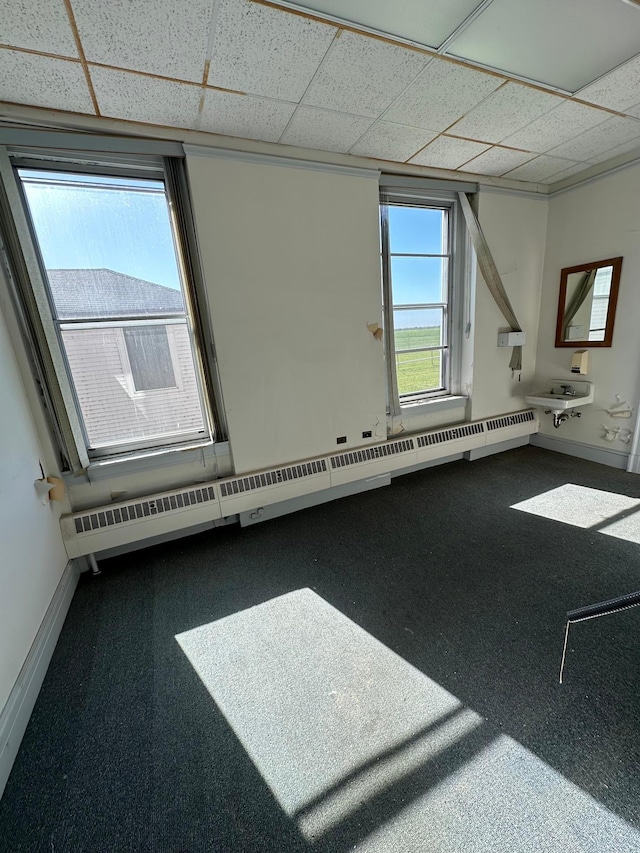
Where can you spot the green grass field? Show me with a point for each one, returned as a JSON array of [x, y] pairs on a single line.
[[419, 371]]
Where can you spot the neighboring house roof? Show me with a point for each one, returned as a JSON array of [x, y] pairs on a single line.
[[85, 294]]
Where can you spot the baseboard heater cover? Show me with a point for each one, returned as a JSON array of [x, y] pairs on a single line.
[[251, 491], [103, 527], [97, 529]]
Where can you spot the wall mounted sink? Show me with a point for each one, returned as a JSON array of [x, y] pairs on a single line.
[[562, 394]]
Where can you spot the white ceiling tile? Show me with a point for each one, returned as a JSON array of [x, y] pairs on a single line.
[[156, 36], [505, 111], [617, 90], [614, 131], [626, 148], [38, 26], [446, 152], [26, 78], [324, 130], [443, 93], [540, 169], [245, 116], [497, 161], [566, 44], [265, 51], [386, 141], [362, 75], [555, 127], [424, 23], [121, 94]]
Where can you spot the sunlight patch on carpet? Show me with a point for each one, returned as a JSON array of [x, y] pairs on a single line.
[[361, 749], [579, 506]]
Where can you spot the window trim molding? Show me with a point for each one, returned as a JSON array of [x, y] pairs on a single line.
[[412, 192], [26, 271], [27, 280]]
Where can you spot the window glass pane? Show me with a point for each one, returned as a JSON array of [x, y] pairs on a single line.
[[419, 371], [418, 280], [418, 328], [417, 230], [118, 225], [113, 410], [149, 357], [108, 249]]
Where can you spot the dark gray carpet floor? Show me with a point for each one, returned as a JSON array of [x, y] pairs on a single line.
[[127, 750]]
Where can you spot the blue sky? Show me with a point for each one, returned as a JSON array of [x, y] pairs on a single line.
[[415, 280], [89, 227]]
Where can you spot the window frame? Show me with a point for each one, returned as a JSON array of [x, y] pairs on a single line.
[[145, 167], [452, 333]]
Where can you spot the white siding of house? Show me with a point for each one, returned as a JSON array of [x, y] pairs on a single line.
[[113, 410]]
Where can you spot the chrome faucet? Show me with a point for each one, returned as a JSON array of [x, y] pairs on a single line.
[[568, 391]]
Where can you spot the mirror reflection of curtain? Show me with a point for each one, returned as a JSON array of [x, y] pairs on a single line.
[[577, 300]]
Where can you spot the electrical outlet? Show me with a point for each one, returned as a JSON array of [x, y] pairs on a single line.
[[341, 439], [366, 433]]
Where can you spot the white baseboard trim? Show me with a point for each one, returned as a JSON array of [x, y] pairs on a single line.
[[633, 464], [605, 456], [17, 711]]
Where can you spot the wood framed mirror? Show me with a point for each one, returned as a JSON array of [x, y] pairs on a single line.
[[587, 304]]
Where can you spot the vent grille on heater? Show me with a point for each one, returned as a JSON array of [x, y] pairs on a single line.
[[369, 453], [272, 478], [450, 434], [511, 420], [124, 513]]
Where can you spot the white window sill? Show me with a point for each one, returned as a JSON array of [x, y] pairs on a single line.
[[147, 460], [435, 404]]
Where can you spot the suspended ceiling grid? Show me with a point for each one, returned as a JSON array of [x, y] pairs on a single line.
[[534, 92]]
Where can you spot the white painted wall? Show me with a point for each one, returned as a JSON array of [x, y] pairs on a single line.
[[291, 260], [599, 220], [33, 556], [515, 228], [291, 264]]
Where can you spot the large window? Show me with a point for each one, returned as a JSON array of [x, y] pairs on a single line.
[[115, 289], [418, 273]]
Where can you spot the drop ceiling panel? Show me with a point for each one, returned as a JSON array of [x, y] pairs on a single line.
[[156, 36], [324, 130], [442, 93], [245, 116], [618, 90], [446, 152], [541, 168], [505, 111], [626, 148], [555, 127], [425, 23], [40, 81], [387, 141], [263, 51], [497, 161], [614, 131], [122, 94], [40, 26], [566, 45], [363, 75]]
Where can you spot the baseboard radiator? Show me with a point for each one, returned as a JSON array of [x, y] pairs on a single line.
[[94, 530]]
